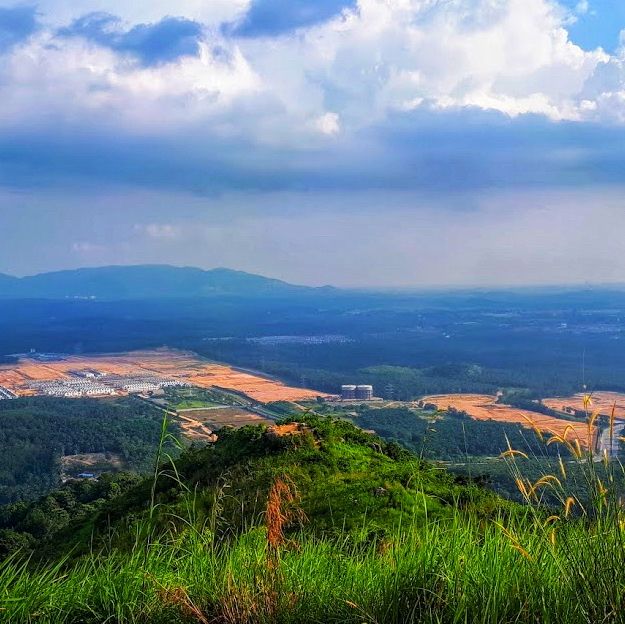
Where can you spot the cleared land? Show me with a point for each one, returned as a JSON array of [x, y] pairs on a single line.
[[72, 465], [167, 363], [485, 407], [603, 402], [198, 424]]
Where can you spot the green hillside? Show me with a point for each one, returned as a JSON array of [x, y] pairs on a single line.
[[347, 483], [311, 521], [38, 433]]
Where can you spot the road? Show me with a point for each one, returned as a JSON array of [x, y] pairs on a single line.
[[610, 444]]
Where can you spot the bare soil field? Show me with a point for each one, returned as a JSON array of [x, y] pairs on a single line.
[[199, 424], [258, 388], [90, 462], [181, 365], [603, 402], [195, 429], [222, 416], [484, 407]]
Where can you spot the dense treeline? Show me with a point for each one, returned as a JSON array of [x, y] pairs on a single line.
[[23, 525], [398, 383], [451, 435], [531, 402], [36, 432], [407, 383]]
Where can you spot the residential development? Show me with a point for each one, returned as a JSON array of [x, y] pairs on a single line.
[[139, 372]]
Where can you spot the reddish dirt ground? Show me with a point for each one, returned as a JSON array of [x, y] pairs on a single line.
[[603, 402], [286, 430], [199, 424], [484, 407]]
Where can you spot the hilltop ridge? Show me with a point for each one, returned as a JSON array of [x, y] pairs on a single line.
[[309, 521], [347, 481], [144, 282]]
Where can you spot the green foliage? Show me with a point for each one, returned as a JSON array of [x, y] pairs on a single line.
[[456, 567], [349, 484], [458, 571], [26, 525], [450, 435], [36, 432], [190, 398], [385, 537]]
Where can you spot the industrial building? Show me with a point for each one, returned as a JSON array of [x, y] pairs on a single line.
[[5, 393], [71, 389], [350, 392], [364, 393], [89, 373]]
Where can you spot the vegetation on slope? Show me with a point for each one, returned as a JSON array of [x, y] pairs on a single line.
[[25, 526], [330, 524], [36, 432], [349, 484]]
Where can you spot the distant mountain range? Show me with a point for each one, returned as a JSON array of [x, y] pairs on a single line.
[[144, 282]]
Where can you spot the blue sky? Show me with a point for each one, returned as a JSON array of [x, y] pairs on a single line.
[[598, 23], [356, 142]]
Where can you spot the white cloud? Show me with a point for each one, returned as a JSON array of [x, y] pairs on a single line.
[[73, 80], [294, 112], [513, 56], [328, 123], [510, 56], [582, 7], [159, 230]]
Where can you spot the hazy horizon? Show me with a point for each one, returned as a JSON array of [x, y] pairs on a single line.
[[390, 288]]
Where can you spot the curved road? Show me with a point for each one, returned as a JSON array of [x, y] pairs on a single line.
[[611, 446]]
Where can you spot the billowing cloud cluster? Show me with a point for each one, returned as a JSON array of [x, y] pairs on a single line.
[[269, 75], [167, 41]]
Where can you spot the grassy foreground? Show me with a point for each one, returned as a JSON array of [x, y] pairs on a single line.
[[455, 571], [464, 561]]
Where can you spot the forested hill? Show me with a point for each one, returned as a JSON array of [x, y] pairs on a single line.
[[341, 479], [310, 521], [143, 282], [38, 433]]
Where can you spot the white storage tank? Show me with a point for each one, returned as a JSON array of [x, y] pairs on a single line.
[[348, 392], [364, 393]]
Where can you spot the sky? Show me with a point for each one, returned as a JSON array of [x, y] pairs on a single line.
[[349, 142]]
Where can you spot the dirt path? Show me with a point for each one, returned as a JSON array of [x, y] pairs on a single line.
[[194, 429]]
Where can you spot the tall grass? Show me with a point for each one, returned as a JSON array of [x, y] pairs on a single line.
[[457, 572], [563, 560]]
